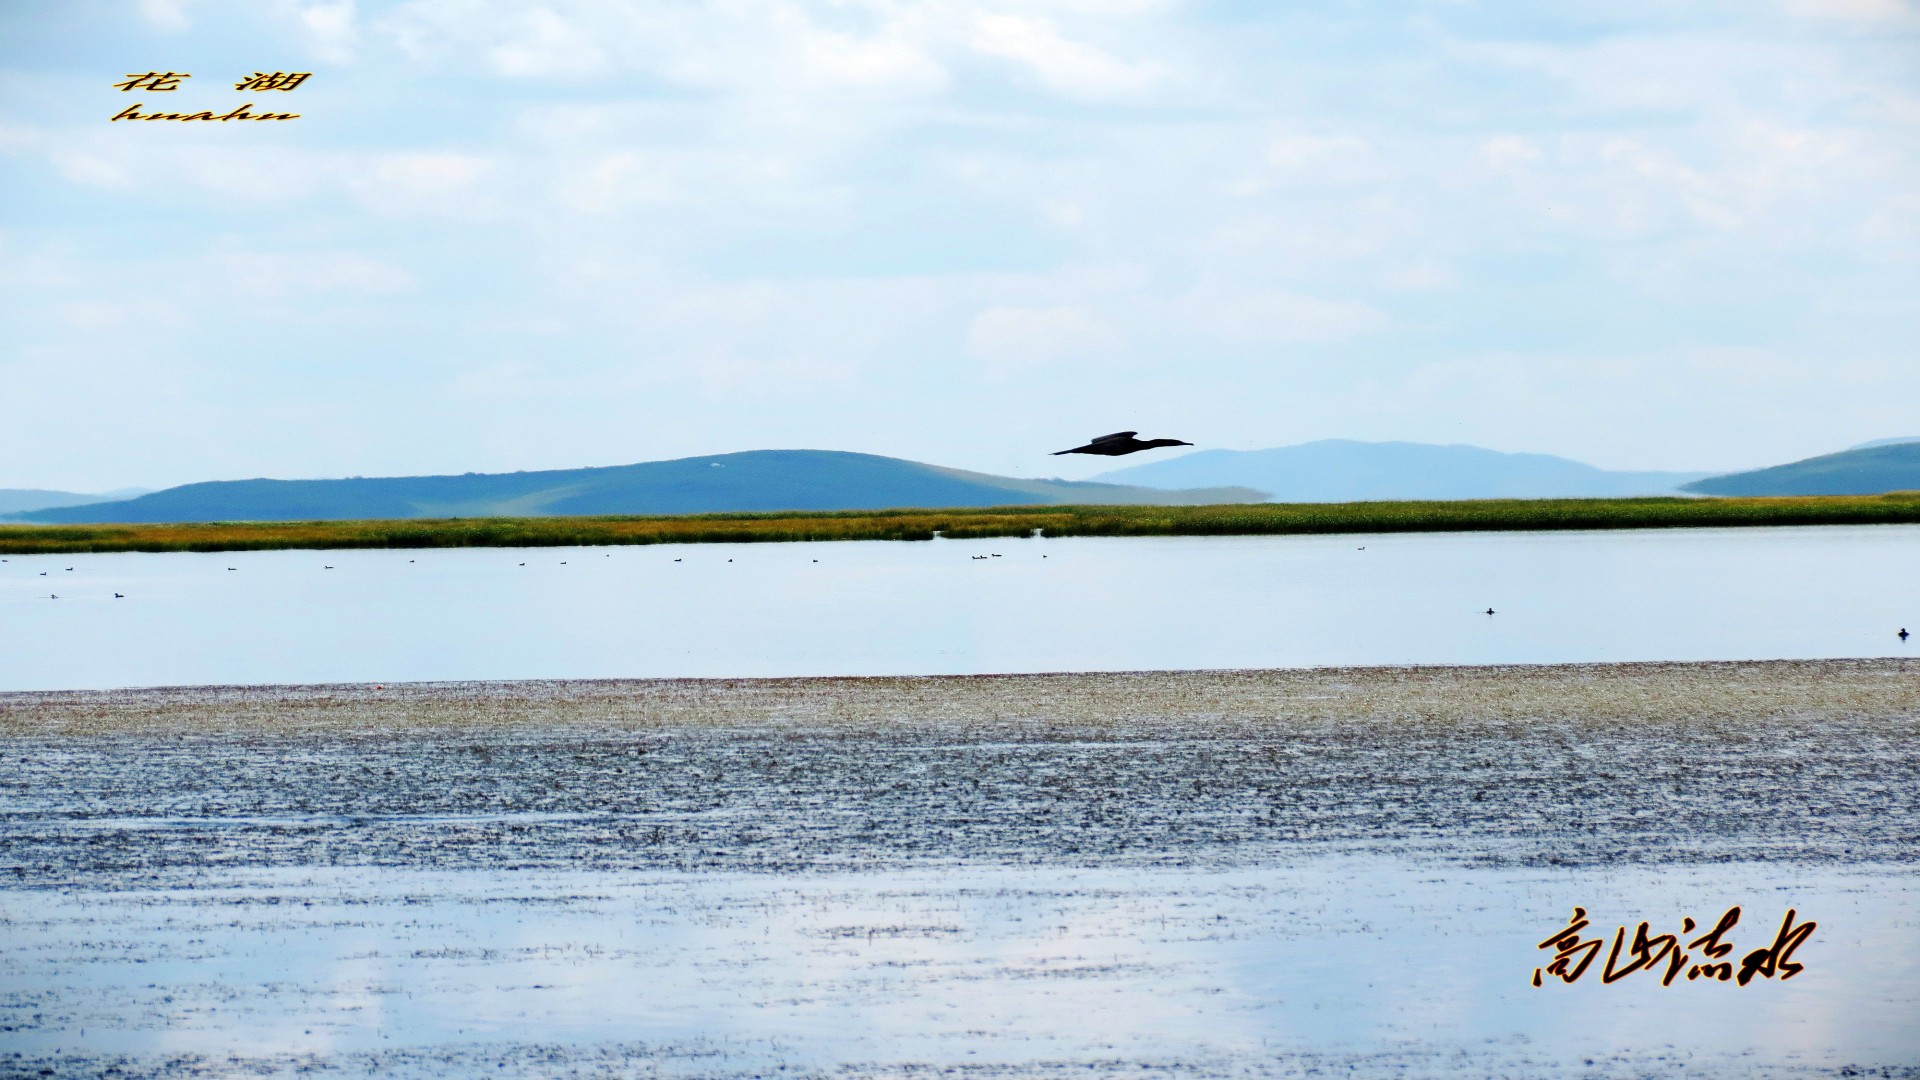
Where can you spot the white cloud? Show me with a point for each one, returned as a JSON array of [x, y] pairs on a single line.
[[543, 43], [90, 169], [692, 209], [289, 274], [1294, 152], [1011, 338], [616, 181], [137, 314], [331, 30], [1215, 309], [1507, 153], [1419, 274], [889, 62], [1071, 67], [1862, 11], [167, 15], [425, 183]]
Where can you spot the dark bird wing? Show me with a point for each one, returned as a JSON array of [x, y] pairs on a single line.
[[1120, 442]]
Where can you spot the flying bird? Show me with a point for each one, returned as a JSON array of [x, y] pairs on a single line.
[[1118, 443]]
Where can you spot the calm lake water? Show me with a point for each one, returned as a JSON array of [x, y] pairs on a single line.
[[873, 608]]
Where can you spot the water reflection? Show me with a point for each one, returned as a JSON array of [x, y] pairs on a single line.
[[1344, 959]]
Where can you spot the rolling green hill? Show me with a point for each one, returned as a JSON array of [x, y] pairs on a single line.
[[757, 480], [1868, 470]]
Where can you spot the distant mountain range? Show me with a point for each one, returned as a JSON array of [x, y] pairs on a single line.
[[1342, 470], [1331, 470], [1868, 469], [22, 500], [754, 480]]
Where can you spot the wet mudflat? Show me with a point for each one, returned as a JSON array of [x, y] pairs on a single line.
[[1216, 874]]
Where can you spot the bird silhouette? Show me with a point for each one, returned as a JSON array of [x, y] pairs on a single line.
[[1489, 611], [1903, 633], [1118, 443], [119, 596]]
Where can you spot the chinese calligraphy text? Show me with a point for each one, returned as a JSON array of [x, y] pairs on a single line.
[[1668, 955], [284, 81]]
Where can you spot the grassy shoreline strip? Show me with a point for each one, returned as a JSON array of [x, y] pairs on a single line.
[[968, 523]]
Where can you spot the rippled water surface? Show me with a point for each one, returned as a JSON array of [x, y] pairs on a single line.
[[1380, 966], [1330, 871], [958, 607]]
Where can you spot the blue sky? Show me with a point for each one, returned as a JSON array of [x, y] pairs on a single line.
[[538, 235]]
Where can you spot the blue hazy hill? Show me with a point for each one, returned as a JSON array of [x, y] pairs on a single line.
[[753, 480], [1344, 470], [23, 500], [1871, 469]]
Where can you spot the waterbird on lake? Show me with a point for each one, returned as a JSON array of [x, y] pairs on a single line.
[[1118, 443], [1489, 611], [1903, 633], [119, 596]]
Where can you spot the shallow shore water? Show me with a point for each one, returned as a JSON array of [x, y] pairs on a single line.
[[1244, 873], [956, 607]]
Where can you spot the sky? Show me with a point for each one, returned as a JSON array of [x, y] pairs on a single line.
[[530, 235]]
